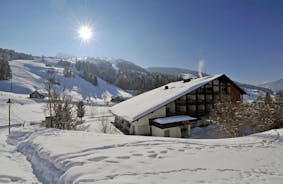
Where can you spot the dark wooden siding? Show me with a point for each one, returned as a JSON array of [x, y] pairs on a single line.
[[235, 94], [200, 101]]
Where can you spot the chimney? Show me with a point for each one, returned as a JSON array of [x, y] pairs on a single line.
[[200, 67], [166, 87]]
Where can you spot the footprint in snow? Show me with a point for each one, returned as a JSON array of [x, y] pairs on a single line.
[[163, 152], [123, 157], [152, 155], [97, 159], [112, 161], [137, 154], [170, 148]]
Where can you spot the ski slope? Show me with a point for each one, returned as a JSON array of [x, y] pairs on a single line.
[[30, 75], [82, 157]]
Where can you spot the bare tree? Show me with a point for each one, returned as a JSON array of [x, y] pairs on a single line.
[[53, 95], [106, 96], [224, 116], [238, 118], [58, 107], [63, 113], [92, 108], [105, 126], [279, 96]]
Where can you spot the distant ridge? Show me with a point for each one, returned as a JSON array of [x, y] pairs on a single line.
[[274, 85]]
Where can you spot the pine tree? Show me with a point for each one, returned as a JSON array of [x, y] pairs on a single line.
[[80, 109], [5, 70]]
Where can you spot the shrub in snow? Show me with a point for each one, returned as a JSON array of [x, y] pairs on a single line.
[[239, 118]]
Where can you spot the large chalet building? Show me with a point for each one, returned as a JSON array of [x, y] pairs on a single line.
[[169, 111]]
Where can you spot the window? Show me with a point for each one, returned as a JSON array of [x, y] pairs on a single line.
[[191, 97], [208, 97], [223, 89], [200, 98], [167, 133], [201, 107], [170, 108], [209, 89], [216, 82], [216, 88], [183, 98], [200, 90], [192, 108]]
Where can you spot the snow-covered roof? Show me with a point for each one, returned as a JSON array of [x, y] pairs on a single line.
[[173, 119], [139, 106]]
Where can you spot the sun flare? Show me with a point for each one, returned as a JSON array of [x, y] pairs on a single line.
[[85, 33]]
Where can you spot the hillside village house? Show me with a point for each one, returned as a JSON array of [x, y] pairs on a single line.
[[36, 94], [169, 110]]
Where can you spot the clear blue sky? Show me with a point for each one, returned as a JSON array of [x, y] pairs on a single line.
[[243, 39]]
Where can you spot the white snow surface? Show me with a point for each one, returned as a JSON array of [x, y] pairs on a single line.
[[23, 109], [82, 157], [173, 119], [14, 168], [30, 75], [138, 106]]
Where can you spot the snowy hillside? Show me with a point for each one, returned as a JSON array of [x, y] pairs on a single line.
[[274, 85], [253, 95], [30, 75], [81, 157]]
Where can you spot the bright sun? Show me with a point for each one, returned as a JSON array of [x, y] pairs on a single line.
[[85, 33]]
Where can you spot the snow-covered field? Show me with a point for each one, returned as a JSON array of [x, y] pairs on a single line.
[[86, 157], [23, 109]]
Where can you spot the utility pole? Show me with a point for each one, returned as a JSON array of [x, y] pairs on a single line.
[[9, 102], [11, 85]]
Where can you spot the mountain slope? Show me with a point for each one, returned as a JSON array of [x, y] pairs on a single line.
[[274, 85], [172, 71], [124, 74], [30, 75]]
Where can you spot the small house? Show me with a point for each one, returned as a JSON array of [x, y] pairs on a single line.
[[170, 110], [36, 94]]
